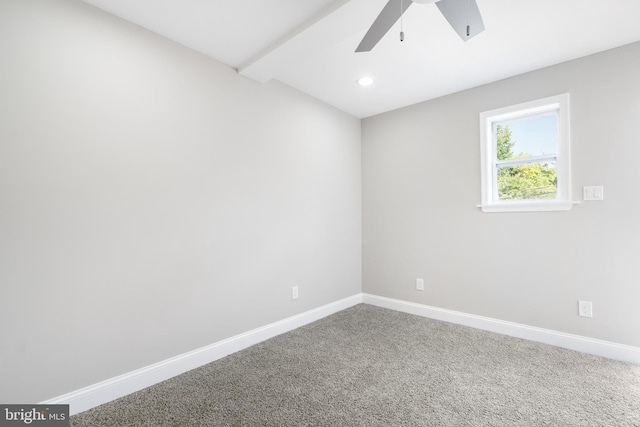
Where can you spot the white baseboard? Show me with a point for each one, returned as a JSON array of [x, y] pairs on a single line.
[[611, 350], [105, 391]]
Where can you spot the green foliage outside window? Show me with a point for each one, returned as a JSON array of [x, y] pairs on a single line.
[[526, 181]]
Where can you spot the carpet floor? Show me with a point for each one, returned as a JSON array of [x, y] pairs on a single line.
[[369, 366]]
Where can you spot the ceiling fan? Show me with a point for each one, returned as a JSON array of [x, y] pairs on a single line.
[[463, 15]]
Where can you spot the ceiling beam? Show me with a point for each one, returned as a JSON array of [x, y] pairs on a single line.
[[339, 20]]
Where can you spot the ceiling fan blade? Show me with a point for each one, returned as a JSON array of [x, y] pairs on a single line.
[[460, 14], [383, 23]]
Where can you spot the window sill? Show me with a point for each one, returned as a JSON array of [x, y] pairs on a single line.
[[537, 206]]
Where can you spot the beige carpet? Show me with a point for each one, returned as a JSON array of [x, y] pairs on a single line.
[[368, 366]]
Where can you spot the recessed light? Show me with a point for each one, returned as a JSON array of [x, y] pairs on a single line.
[[365, 81]]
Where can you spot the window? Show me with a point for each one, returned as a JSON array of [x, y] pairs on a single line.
[[525, 157]]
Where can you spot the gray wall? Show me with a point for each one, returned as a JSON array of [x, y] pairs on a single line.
[[421, 185], [152, 201]]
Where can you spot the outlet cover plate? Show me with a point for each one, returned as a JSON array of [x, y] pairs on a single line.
[[585, 308]]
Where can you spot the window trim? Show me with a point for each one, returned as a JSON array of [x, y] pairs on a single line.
[[562, 202]]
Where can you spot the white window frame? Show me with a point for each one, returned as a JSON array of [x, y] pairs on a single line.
[[488, 156]]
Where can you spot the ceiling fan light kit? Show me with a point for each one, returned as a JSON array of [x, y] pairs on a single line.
[[463, 16]]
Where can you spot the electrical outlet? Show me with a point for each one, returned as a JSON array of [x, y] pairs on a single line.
[[294, 292], [585, 308], [420, 284]]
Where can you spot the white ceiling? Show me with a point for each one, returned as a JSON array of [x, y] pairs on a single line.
[[309, 44]]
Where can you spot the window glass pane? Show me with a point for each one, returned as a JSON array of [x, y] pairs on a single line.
[[526, 137], [528, 181]]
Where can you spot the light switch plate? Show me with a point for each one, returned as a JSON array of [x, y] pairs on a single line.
[[593, 193]]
